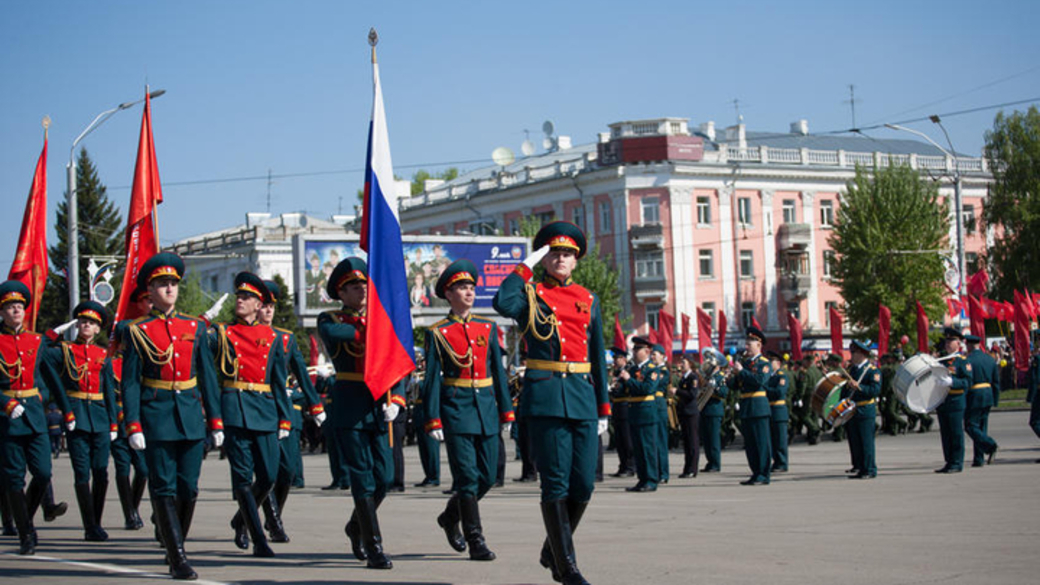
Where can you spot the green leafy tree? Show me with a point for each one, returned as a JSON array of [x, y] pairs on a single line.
[[100, 234], [886, 238], [1013, 151], [285, 317], [421, 176]]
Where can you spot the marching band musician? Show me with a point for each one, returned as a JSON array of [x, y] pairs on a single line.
[[466, 398], [24, 390], [687, 392], [751, 375], [361, 421], [863, 388], [565, 387], [167, 373], [640, 384], [981, 397], [777, 391], [87, 400], [664, 379], [712, 364], [619, 416], [951, 411]]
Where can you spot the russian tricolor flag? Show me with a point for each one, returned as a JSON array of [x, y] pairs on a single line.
[[389, 353]]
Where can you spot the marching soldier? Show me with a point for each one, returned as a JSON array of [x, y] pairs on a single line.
[[89, 405], [808, 376], [892, 422], [565, 385], [863, 388], [712, 364], [752, 373], [466, 398], [951, 411], [619, 418], [640, 384], [167, 373], [664, 379], [832, 363], [361, 420], [24, 390], [777, 389], [687, 392], [981, 397]]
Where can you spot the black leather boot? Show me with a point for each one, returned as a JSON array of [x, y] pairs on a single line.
[[558, 527], [170, 529], [86, 514], [371, 538], [449, 522], [51, 510], [273, 512], [5, 515], [251, 519], [23, 521], [575, 510], [185, 512], [470, 512], [131, 519], [137, 487], [353, 531], [99, 491]]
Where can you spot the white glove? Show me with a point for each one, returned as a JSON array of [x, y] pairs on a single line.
[[137, 441], [71, 425], [113, 435], [536, 257], [602, 426], [65, 326], [320, 418], [390, 411], [218, 438], [283, 434], [944, 380], [18, 411], [507, 426], [738, 406], [215, 309], [437, 434]]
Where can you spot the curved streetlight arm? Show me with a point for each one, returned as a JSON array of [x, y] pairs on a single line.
[[103, 116]]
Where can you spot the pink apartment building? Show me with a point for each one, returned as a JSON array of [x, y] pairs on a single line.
[[724, 220]]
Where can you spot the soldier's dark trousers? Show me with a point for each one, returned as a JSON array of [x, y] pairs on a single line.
[[976, 424], [757, 446], [711, 441], [566, 451], [951, 432], [474, 463], [644, 442], [173, 468], [690, 425]]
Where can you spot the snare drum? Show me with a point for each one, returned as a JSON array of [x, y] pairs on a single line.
[[827, 394], [841, 412], [921, 383]]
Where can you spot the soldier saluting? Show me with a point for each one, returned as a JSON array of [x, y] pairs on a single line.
[[565, 399], [169, 391]]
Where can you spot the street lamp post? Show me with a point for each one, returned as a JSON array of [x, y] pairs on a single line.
[[71, 212], [958, 204]]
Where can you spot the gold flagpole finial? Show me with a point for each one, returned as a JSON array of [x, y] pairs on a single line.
[[46, 126], [373, 39]]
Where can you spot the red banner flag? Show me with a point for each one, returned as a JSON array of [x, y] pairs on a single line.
[[651, 336], [312, 359], [722, 331], [977, 316], [922, 329], [884, 329], [703, 329], [685, 338], [142, 234], [665, 332], [978, 283], [30, 261], [754, 323], [1022, 325], [837, 343], [619, 335], [795, 328], [954, 307]]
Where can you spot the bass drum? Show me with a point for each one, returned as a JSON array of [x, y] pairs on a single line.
[[921, 383], [827, 394]]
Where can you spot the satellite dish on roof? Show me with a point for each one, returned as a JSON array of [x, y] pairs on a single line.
[[548, 127], [502, 156], [549, 143], [527, 148]]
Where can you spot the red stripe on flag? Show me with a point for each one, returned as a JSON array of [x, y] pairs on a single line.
[[30, 261]]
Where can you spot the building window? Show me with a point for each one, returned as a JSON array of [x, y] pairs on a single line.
[[545, 217], [482, 227], [747, 314], [606, 217], [650, 265], [703, 211], [971, 262], [795, 309], [744, 210], [828, 262], [789, 211], [651, 210], [578, 216], [214, 283], [652, 311], [707, 263], [827, 316], [826, 213], [747, 264], [709, 308], [514, 227], [968, 215]]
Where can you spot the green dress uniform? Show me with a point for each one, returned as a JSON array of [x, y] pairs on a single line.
[[640, 396], [755, 413], [981, 397], [23, 383], [429, 448], [951, 415], [168, 374], [663, 428], [333, 440], [358, 417], [565, 390], [892, 421], [130, 491], [86, 397], [862, 425], [777, 389], [711, 421], [466, 393]]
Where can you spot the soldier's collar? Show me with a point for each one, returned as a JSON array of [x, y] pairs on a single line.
[[643, 363], [353, 312], [458, 319], [81, 341], [159, 314], [10, 330], [551, 281], [241, 321]]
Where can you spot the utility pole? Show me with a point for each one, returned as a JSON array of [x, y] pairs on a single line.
[[852, 103]]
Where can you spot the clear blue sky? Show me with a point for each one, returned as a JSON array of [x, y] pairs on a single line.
[[286, 86]]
